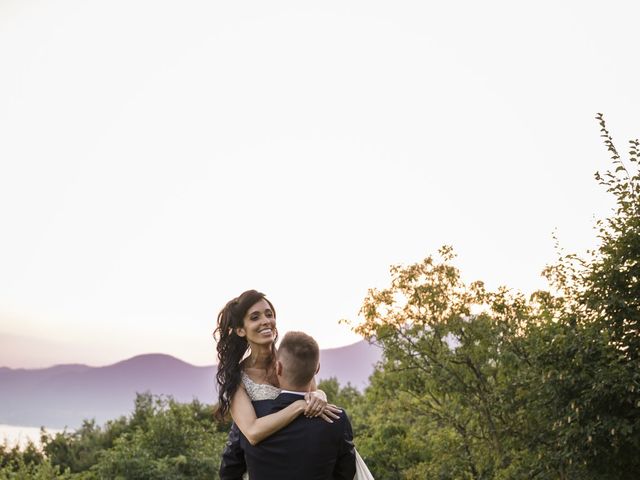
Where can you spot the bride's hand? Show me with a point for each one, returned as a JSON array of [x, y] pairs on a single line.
[[317, 406]]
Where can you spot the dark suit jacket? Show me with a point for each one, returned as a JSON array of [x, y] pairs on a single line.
[[307, 448]]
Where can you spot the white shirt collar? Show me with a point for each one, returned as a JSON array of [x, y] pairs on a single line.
[[295, 393]]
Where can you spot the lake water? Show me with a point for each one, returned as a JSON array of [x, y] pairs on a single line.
[[13, 434]]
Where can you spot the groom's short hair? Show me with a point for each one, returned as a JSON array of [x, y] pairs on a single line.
[[299, 354]]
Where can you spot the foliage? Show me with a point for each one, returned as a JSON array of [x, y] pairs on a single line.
[[455, 364], [170, 441], [23, 471], [594, 366], [79, 450], [478, 384], [162, 439], [344, 397]]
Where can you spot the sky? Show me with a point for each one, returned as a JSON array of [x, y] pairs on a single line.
[[157, 158]]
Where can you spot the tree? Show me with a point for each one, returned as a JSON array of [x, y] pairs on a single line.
[[169, 441], [27, 463], [485, 384], [594, 366], [456, 363], [344, 397], [161, 439]]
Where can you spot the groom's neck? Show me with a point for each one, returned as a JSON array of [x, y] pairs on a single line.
[[285, 385]]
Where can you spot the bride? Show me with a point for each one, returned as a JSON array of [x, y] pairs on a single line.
[[246, 335]]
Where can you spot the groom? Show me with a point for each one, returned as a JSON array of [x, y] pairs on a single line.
[[307, 448]]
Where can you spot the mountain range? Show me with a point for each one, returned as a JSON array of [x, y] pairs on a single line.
[[65, 395]]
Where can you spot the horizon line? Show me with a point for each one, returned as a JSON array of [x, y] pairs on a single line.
[[145, 355]]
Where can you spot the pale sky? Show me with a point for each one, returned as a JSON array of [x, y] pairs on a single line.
[[157, 158]]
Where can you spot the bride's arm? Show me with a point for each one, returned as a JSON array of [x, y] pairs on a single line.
[[257, 429]]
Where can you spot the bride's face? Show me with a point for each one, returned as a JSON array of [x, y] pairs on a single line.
[[259, 324]]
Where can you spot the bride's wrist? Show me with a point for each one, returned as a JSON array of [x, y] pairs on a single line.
[[301, 406], [321, 394]]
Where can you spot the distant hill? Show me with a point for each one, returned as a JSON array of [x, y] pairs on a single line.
[[351, 364], [64, 395]]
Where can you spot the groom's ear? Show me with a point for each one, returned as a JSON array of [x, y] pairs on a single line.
[[278, 368]]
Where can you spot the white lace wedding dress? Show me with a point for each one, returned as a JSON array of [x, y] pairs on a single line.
[[260, 391]]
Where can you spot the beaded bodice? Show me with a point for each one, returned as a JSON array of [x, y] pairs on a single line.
[[259, 391]]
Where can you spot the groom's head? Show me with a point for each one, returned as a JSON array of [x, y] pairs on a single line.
[[298, 361]]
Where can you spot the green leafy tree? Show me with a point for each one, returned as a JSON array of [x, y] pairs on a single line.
[[478, 384], [79, 450], [169, 441], [161, 439], [592, 363], [27, 463], [344, 397], [457, 370]]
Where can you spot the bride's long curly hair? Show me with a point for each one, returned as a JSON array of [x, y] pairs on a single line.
[[232, 348]]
